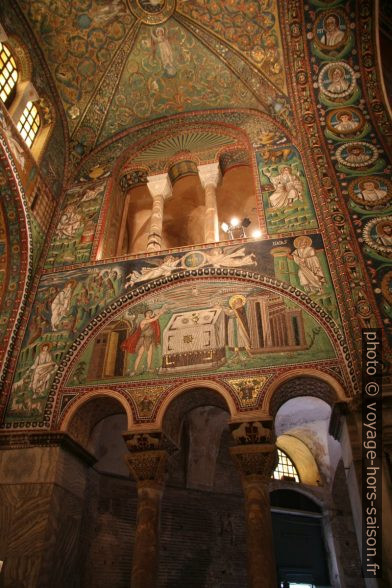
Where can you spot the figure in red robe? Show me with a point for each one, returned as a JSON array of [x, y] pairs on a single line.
[[144, 339]]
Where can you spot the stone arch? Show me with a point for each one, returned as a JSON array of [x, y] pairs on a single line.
[[223, 399], [105, 401], [288, 385]]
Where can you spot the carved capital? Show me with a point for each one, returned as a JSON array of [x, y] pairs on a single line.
[[147, 465], [209, 174], [159, 186], [254, 432], [255, 460]]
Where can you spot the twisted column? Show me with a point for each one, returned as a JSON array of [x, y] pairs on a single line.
[[210, 177], [255, 457], [160, 188]]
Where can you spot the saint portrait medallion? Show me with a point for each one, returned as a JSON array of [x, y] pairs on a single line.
[[337, 80], [371, 191], [331, 30], [378, 235], [357, 155]]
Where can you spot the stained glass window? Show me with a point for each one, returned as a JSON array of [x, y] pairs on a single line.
[[285, 470], [29, 123], [8, 73]]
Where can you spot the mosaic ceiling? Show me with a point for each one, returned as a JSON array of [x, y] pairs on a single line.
[[121, 63]]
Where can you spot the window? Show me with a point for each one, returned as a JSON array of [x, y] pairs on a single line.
[[29, 123], [285, 470], [8, 74]]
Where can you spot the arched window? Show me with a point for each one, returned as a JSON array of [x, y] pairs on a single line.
[[8, 75], [29, 123], [285, 470]]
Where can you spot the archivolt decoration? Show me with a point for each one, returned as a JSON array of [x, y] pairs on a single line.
[[152, 12]]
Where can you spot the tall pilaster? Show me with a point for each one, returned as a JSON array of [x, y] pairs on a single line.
[[256, 456], [210, 176], [160, 188]]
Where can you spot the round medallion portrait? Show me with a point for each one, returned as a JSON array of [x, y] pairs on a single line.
[[152, 11], [337, 80], [194, 259], [357, 155], [378, 235], [345, 122], [331, 30], [371, 191]]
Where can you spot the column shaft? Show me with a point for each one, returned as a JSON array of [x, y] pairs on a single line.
[[154, 242], [146, 550], [211, 226], [260, 542]]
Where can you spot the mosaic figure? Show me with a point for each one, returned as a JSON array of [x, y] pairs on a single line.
[[332, 33], [356, 155], [160, 41], [378, 235], [337, 80], [371, 191], [288, 188], [144, 339], [345, 121], [310, 273]]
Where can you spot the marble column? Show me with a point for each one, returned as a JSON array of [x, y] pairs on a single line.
[[210, 177], [147, 464], [160, 188], [256, 458]]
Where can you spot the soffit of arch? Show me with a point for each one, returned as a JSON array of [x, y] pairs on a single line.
[[205, 133]]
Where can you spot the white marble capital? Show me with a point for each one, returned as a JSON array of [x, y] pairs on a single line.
[[209, 174], [159, 185]]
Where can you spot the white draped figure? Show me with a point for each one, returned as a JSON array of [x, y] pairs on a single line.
[[160, 40], [288, 188], [310, 274], [42, 370], [61, 304]]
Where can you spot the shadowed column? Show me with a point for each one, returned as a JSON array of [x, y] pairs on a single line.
[[147, 465], [255, 457]]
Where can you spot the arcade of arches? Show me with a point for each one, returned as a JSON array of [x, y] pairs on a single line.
[[195, 247]]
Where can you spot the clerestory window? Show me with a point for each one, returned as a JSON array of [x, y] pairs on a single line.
[[8, 75]]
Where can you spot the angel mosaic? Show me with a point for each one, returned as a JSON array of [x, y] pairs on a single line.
[[218, 257]]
